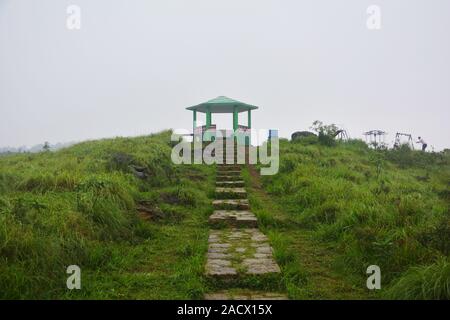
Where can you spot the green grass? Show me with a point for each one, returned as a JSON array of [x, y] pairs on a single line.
[[388, 208], [79, 206], [308, 268], [423, 283], [137, 225]]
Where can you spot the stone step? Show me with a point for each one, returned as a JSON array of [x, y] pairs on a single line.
[[229, 173], [235, 162], [232, 168], [239, 253], [230, 193], [232, 184], [228, 178], [245, 294], [224, 172], [231, 204], [228, 167], [234, 218]]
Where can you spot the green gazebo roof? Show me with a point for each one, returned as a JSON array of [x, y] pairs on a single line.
[[222, 104]]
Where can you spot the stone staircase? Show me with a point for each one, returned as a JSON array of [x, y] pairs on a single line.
[[238, 253]]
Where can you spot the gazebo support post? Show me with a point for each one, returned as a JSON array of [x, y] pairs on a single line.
[[249, 125], [235, 124], [194, 121], [235, 119], [208, 119]]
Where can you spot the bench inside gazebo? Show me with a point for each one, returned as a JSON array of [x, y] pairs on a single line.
[[223, 104]]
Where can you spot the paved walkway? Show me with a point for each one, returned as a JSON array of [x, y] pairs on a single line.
[[237, 249]]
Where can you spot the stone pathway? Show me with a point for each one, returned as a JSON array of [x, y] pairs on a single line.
[[237, 250], [234, 218], [244, 295], [244, 251]]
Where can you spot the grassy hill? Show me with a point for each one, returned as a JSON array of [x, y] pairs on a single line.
[[134, 223], [369, 207], [137, 225]]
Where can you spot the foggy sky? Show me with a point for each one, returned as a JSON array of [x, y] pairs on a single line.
[[135, 66]]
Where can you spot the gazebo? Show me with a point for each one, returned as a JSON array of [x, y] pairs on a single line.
[[223, 104]]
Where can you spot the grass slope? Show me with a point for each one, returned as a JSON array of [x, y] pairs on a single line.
[[306, 263], [388, 208], [137, 225], [80, 206]]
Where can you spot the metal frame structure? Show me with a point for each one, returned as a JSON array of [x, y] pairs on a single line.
[[398, 140], [376, 138], [342, 135]]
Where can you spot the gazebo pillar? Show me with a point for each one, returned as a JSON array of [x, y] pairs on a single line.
[[235, 119], [194, 120], [208, 118]]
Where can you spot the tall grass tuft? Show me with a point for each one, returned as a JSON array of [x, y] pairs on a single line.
[[423, 283]]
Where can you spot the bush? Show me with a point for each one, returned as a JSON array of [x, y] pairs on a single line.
[[437, 236], [326, 133], [403, 156], [181, 196], [423, 283], [7, 180], [106, 200]]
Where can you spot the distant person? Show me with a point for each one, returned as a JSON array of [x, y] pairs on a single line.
[[424, 144]]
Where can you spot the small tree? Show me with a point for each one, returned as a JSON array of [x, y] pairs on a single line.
[[46, 146], [326, 133]]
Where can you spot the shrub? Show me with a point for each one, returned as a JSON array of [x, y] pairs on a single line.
[[181, 196], [437, 236], [44, 182], [326, 140], [7, 180], [326, 133], [426, 282], [106, 200], [288, 163]]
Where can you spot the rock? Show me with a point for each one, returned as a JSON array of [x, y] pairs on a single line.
[[302, 134]]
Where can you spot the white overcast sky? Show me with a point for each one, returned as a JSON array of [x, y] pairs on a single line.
[[136, 64]]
